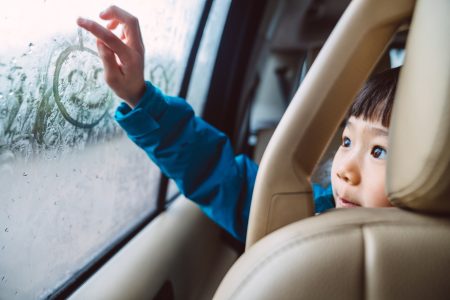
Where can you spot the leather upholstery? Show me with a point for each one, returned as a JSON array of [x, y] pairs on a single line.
[[419, 159], [360, 253]]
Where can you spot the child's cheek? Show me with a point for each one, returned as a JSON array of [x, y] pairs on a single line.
[[378, 194]]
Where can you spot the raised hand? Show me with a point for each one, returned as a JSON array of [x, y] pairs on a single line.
[[123, 58]]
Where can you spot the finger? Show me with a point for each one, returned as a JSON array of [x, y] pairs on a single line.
[[113, 73], [115, 12], [131, 25], [106, 36], [112, 24]]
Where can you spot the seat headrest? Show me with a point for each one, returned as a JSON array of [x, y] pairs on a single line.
[[418, 174]]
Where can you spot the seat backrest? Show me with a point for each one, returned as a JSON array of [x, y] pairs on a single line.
[[365, 253], [362, 253]]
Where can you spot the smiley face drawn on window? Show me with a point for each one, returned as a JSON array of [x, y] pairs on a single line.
[[78, 87]]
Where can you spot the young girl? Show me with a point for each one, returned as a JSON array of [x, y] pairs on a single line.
[[200, 158], [359, 166]]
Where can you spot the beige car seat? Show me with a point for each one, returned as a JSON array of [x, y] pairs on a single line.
[[387, 253]]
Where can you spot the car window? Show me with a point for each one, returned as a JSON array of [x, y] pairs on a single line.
[[70, 180], [397, 56]]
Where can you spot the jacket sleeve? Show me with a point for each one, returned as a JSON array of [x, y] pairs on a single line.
[[323, 197], [198, 157]]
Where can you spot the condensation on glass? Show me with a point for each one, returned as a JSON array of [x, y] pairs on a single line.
[[70, 180]]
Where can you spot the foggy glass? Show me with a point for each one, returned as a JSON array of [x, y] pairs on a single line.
[[71, 182]]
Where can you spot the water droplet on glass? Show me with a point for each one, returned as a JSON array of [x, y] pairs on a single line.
[[25, 174], [30, 48], [1, 96]]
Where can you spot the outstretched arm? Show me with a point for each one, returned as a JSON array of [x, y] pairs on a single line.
[[187, 149], [197, 156]]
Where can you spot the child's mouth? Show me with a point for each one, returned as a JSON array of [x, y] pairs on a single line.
[[347, 203]]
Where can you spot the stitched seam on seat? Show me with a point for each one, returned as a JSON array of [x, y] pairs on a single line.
[[271, 208], [297, 241]]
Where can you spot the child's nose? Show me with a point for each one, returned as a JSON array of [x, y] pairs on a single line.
[[349, 173]]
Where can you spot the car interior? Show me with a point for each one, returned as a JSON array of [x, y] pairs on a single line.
[[285, 75], [353, 254], [386, 253]]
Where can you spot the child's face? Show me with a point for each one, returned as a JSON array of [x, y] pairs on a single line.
[[359, 166]]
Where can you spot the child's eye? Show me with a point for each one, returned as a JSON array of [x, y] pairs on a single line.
[[378, 152], [346, 142]]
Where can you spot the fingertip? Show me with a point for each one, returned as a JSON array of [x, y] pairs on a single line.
[[81, 21], [105, 13], [112, 25]]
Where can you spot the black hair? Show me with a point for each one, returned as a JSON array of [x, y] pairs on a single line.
[[375, 100]]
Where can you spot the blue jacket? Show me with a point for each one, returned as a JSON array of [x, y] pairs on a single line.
[[199, 158]]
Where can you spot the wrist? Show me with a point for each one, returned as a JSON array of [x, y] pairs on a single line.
[[133, 99]]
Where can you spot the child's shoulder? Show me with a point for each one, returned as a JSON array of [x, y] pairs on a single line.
[[323, 197]]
